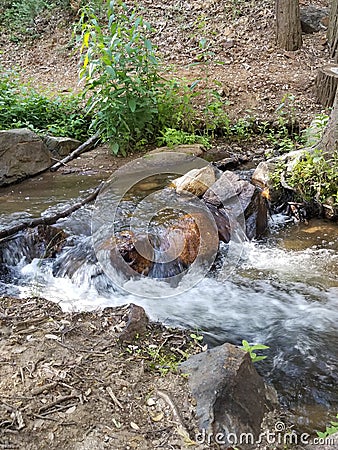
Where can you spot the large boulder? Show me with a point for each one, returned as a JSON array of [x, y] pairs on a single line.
[[231, 397], [314, 18], [22, 154]]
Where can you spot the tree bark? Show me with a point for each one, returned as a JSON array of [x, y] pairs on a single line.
[[329, 140], [332, 31], [49, 220], [326, 84], [85, 147], [289, 32]]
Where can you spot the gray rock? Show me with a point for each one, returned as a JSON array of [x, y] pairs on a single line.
[[231, 397], [239, 199], [22, 154], [314, 19], [61, 146]]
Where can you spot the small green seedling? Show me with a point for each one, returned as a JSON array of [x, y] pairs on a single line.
[[251, 350], [196, 337], [333, 428]]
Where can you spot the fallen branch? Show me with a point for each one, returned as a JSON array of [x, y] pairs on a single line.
[[85, 147], [50, 220], [57, 402]]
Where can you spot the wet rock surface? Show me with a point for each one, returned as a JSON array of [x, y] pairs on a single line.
[[196, 181]]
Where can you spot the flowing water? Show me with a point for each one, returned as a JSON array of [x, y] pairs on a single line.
[[283, 293]]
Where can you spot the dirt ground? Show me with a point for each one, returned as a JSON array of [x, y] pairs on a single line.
[[240, 56], [66, 381]]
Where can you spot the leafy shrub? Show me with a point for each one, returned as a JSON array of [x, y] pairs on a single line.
[[121, 76], [130, 101], [315, 177], [23, 106]]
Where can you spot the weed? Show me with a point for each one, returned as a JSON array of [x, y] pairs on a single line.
[[23, 106], [285, 136], [243, 128], [251, 350], [175, 106], [165, 357], [313, 134], [315, 177], [331, 429], [172, 137]]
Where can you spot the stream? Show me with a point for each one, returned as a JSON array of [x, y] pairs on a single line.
[[283, 292]]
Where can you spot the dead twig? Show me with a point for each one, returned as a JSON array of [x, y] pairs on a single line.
[[113, 397], [181, 429], [57, 402], [45, 387]]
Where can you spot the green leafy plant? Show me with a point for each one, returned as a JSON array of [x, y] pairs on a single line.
[[315, 177], [284, 135], [330, 429], [172, 137], [121, 77], [23, 106], [251, 349], [313, 134], [175, 106], [242, 128]]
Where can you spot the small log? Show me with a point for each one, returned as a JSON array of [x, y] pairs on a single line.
[[49, 220], [85, 147], [326, 84]]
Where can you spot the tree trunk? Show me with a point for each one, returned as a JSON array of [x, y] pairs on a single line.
[[326, 84], [289, 32], [332, 31], [329, 140]]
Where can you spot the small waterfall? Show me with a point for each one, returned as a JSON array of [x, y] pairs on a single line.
[[282, 291]]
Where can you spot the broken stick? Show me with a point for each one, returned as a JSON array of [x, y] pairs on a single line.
[[50, 220]]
